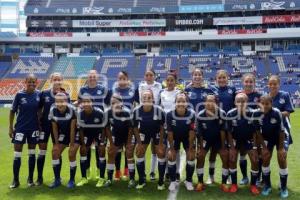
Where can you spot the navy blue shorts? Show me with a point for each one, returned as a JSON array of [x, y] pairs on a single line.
[[90, 138], [245, 145], [148, 137], [29, 137], [272, 144], [65, 138]]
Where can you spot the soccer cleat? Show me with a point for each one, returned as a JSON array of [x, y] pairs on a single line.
[[14, 184], [118, 175], [55, 184], [30, 183], [233, 188], [39, 182], [82, 182], [177, 177], [71, 184], [199, 187], [131, 184], [189, 185], [266, 191], [173, 186], [140, 186], [126, 172], [210, 180], [161, 187], [89, 174], [107, 183], [224, 188], [152, 176], [244, 181], [100, 182], [254, 190], [284, 194]]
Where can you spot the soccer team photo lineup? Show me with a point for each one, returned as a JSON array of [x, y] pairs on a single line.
[[145, 99]]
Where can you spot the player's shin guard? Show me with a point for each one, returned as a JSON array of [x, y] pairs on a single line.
[[200, 173], [212, 167], [283, 178], [56, 169], [161, 170], [110, 171], [118, 160], [140, 165], [17, 165], [254, 176], [153, 163], [102, 166], [243, 166], [225, 174], [31, 163], [266, 173], [131, 169], [172, 170], [83, 163], [73, 167], [233, 175], [40, 163], [190, 168]]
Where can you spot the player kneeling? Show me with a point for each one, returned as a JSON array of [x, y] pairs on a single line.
[[91, 122], [63, 119], [149, 122], [272, 135], [242, 137], [211, 135], [120, 134], [181, 126]]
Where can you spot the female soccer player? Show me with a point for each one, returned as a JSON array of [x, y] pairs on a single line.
[[129, 95], [63, 119], [149, 83], [167, 102], [149, 122], [272, 135], [181, 129], [226, 95], [26, 129], [47, 100], [100, 96], [120, 134], [242, 135], [248, 81], [211, 135], [197, 90], [91, 123]]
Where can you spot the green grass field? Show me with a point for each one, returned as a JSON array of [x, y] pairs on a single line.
[[119, 189]]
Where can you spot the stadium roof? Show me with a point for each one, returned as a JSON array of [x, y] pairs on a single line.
[[103, 7]]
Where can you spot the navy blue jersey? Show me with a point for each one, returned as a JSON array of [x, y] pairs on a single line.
[[100, 95], [47, 100], [119, 122], [282, 101], [26, 106], [197, 96], [129, 95], [270, 124], [210, 127], [63, 120], [181, 125], [226, 96], [92, 123], [241, 126], [148, 122], [253, 99]]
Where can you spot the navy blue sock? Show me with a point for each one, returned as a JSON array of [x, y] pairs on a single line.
[[56, 169], [172, 170], [131, 170], [266, 174], [102, 166], [73, 168], [259, 169], [17, 165], [224, 175], [200, 173], [118, 161], [243, 166], [110, 171], [161, 170], [97, 156], [233, 174], [60, 163], [283, 178], [31, 164], [88, 161], [190, 168], [140, 165], [254, 175], [40, 165], [126, 162], [83, 162]]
